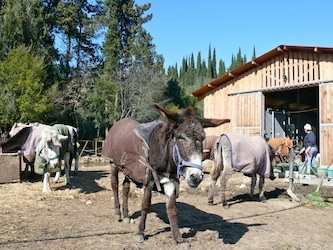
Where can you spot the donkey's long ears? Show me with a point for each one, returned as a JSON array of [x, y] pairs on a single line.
[[212, 122], [170, 114]]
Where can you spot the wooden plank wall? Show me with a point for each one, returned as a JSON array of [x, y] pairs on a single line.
[[326, 123], [298, 67]]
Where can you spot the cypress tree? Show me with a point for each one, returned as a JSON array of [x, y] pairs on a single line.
[[210, 64], [254, 53], [214, 71], [222, 69], [199, 66]]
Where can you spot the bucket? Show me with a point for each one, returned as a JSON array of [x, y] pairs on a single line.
[[321, 171], [330, 172], [302, 168]]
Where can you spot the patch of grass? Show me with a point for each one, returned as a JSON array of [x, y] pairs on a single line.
[[287, 246], [313, 203]]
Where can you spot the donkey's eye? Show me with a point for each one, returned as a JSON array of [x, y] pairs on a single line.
[[181, 136]]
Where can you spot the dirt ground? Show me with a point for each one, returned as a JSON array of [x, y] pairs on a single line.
[[83, 217]]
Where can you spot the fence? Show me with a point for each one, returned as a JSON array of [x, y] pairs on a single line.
[[91, 147]]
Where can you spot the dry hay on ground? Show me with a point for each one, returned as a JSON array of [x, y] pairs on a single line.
[[83, 217]]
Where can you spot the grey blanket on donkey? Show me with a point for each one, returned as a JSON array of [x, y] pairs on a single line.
[[250, 154], [129, 147]]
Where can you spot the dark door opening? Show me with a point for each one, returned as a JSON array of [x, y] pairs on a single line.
[[288, 111]]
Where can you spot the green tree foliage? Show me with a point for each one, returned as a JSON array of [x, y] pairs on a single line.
[[77, 25], [27, 23], [52, 67], [131, 61], [101, 103], [176, 95], [222, 68], [22, 93], [254, 53], [237, 61]]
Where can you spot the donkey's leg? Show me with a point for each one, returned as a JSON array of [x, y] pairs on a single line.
[[211, 192], [226, 174], [216, 171], [126, 189], [114, 184], [67, 157], [262, 189], [227, 168], [76, 166], [57, 176], [171, 193], [145, 206], [46, 183], [253, 185], [58, 173], [32, 169]]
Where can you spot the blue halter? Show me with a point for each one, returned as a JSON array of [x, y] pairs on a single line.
[[181, 162]]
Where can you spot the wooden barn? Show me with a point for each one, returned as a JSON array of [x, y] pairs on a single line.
[[275, 95]]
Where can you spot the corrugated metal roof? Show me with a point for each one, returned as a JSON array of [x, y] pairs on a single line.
[[201, 92]]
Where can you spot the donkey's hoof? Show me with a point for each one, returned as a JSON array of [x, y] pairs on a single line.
[[226, 206], [140, 238], [127, 220], [210, 203], [263, 200], [185, 245]]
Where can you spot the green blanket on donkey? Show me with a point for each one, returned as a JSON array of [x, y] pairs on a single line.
[[66, 146]]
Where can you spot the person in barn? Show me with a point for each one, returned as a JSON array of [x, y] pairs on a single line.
[[310, 148]]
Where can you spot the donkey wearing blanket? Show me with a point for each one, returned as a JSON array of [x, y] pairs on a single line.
[[25, 137], [54, 146], [169, 150], [249, 155]]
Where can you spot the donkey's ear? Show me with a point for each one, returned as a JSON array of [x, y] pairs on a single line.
[[206, 122], [47, 137], [170, 114], [40, 147], [62, 137]]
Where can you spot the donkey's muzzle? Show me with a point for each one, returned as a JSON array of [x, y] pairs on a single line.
[[194, 180]]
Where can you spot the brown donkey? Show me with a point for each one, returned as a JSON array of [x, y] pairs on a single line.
[[154, 156]]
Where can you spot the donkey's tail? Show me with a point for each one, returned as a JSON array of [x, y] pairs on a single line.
[[217, 168]]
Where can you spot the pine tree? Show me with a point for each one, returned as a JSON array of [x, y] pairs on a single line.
[[131, 61]]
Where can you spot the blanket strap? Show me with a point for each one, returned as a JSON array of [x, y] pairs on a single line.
[[150, 169], [143, 160]]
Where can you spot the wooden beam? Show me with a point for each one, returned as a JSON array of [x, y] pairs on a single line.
[[255, 63], [317, 50]]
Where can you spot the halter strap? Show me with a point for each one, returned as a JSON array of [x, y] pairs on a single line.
[[181, 162], [48, 160]]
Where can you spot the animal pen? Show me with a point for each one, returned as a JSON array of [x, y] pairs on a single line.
[[274, 95]]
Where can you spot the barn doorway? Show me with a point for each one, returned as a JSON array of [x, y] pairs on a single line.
[[287, 111]]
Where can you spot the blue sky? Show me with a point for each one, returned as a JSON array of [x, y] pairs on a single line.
[[182, 27]]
